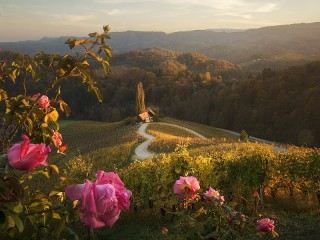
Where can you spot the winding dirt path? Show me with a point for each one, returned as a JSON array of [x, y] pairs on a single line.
[[142, 152]]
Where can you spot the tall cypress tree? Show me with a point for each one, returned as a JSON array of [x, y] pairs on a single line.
[[140, 105]]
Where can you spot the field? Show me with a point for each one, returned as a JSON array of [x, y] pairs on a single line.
[[220, 161]]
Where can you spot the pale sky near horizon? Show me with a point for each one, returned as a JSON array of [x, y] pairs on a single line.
[[34, 19]]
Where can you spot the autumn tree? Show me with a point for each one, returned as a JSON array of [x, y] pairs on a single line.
[[140, 105]]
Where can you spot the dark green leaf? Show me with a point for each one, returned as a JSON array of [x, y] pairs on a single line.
[[57, 231], [2, 217], [16, 219]]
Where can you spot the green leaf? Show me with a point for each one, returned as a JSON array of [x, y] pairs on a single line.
[[54, 168], [18, 208], [91, 54], [98, 93], [71, 42], [16, 219], [56, 215], [57, 231], [105, 66], [52, 116], [94, 34], [52, 193], [107, 52], [82, 42], [105, 36], [65, 108], [212, 235]]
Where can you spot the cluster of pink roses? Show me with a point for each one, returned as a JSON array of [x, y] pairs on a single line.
[[101, 201], [187, 187], [27, 156]]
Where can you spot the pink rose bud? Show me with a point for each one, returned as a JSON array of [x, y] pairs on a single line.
[[265, 225], [101, 201], [43, 101], [57, 138], [186, 187], [214, 195], [255, 194], [27, 156], [165, 230]]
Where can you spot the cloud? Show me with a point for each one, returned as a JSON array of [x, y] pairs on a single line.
[[115, 12], [65, 17], [122, 1], [245, 16], [230, 6]]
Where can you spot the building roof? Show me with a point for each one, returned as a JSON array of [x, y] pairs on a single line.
[[144, 115]]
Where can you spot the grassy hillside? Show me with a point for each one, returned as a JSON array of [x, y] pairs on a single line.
[[95, 145]]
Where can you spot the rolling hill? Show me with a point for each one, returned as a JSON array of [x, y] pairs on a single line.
[[278, 46]]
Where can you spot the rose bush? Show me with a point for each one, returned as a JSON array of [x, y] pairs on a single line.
[[211, 218], [29, 210]]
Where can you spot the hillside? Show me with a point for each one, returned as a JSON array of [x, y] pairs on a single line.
[[232, 167], [168, 62], [278, 46]]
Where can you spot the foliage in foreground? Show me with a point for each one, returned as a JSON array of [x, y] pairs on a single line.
[[45, 213]]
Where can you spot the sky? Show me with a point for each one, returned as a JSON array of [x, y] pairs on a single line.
[[34, 19]]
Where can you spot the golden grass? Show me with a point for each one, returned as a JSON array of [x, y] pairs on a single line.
[[205, 130], [168, 136]]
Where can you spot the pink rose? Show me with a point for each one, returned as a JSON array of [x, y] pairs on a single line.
[[123, 195], [213, 194], [26, 156], [186, 187], [43, 101], [101, 201], [265, 225]]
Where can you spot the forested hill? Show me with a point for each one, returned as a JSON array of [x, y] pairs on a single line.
[[167, 62], [276, 46], [278, 105]]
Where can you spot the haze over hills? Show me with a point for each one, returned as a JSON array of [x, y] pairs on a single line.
[[277, 46]]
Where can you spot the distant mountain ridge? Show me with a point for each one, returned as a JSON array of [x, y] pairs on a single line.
[[274, 44]]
